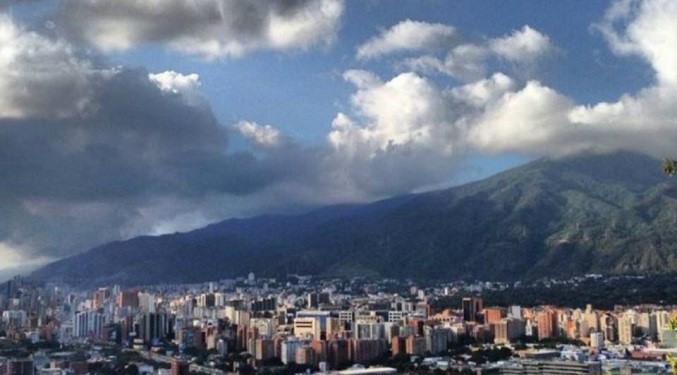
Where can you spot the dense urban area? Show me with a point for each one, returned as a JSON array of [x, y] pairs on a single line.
[[304, 324]]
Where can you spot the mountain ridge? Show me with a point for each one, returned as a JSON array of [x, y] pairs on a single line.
[[612, 213]]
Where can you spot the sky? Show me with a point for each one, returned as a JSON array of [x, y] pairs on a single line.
[[129, 117]]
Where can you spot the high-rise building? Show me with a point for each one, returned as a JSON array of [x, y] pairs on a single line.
[[19, 367], [128, 299], [15, 318], [206, 300], [626, 327], [364, 351], [596, 340], [515, 312], [547, 324], [647, 325], [265, 349], [338, 353], [507, 330], [180, 367], [472, 306], [306, 328], [316, 299], [320, 347], [264, 304], [493, 314], [146, 302], [264, 325], [305, 355], [608, 324], [154, 326], [191, 337], [322, 319], [662, 319], [88, 324], [100, 296], [288, 349], [414, 345], [397, 345], [369, 331], [436, 339]]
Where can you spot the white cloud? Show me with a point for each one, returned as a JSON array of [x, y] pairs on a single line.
[[468, 61], [362, 79], [647, 120], [410, 114], [14, 261], [647, 29], [206, 28], [186, 85], [40, 77], [521, 45], [484, 91], [408, 35], [531, 120], [260, 135], [177, 83], [408, 109]]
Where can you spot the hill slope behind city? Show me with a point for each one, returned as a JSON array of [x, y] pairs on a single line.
[[613, 213]]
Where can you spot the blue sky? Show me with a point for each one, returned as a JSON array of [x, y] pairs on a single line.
[[123, 118], [301, 91]]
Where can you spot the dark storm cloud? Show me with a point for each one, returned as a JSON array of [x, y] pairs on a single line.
[[90, 153], [139, 141]]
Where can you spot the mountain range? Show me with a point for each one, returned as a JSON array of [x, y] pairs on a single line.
[[601, 213]]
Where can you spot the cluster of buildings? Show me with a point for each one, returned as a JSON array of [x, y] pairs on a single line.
[[323, 324]]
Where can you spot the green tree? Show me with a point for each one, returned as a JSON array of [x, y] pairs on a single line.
[[669, 166]]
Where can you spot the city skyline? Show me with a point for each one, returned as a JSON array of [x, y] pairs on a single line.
[[365, 326]]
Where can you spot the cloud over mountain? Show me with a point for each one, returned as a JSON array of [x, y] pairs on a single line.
[[86, 149], [496, 113]]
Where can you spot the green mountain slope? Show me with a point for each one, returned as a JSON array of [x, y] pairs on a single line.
[[589, 213]]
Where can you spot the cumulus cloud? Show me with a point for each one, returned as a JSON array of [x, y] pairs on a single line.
[[468, 61], [525, 44], [260, 135], [177, 83], [186, 85], [531, 120], [646, 120], [647, 29], [484, 91], [411, 114], [207, 28], [408, 35], [408, 109]]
